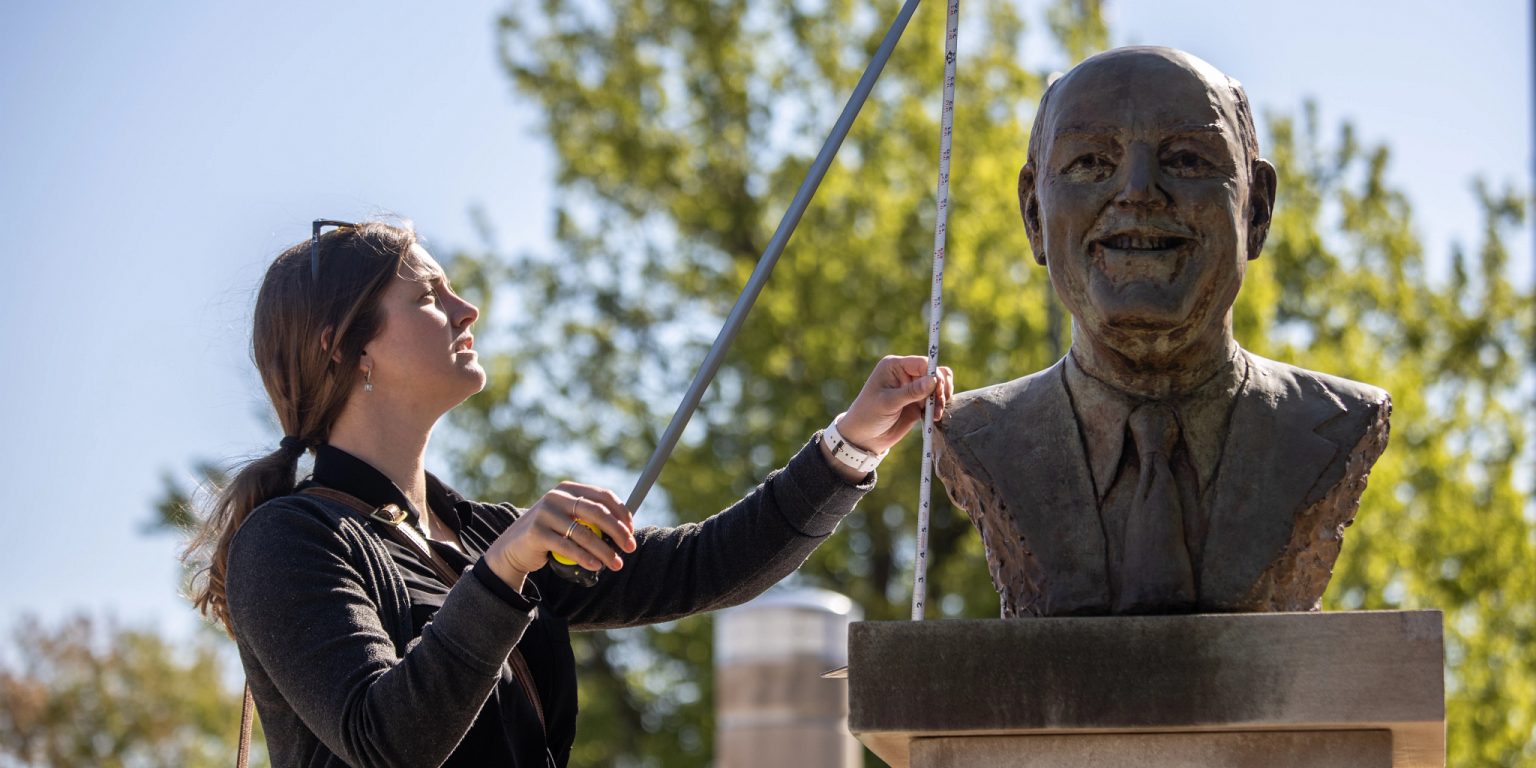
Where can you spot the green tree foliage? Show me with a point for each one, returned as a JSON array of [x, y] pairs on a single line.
[[1343, 287], [92, 693], [176, 510], [681, 130], [83, 695]]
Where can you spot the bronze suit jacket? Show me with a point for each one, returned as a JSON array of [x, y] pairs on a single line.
[[1297, 452]]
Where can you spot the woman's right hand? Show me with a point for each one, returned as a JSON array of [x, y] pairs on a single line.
[[525, 546]]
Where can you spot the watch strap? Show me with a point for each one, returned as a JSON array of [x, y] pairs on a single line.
[[849, 454]]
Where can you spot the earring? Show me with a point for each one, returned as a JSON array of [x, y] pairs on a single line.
[[368, 380]]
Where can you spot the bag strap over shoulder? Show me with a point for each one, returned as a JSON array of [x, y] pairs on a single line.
[[247, 713], [394, 522]]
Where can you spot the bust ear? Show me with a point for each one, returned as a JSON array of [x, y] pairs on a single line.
[[1262, 184], [1029, 209]]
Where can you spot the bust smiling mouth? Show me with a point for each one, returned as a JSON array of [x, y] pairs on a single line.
[[1140, 255]]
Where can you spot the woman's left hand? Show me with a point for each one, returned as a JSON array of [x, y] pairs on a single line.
[[891, 403]]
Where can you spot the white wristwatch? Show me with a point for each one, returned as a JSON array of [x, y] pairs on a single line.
[[848, 453]]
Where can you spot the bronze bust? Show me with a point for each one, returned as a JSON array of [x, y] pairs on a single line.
[[1158, 467]]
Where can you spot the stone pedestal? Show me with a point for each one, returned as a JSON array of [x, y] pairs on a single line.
[[1267, 690]]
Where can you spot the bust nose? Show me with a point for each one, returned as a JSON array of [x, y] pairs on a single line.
[[1141, 190]]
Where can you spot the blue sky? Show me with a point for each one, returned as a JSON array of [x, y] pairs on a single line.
[[154, 158]]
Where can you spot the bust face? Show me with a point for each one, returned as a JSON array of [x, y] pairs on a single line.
[[1141, 193]]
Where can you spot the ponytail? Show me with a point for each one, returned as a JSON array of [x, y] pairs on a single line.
[[307, 339], [258, 482]]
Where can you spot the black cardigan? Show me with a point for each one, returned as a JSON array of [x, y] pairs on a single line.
[[323, 622]]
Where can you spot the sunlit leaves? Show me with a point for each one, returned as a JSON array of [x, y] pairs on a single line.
[[76, 695], [1346, 290], [682, 128]]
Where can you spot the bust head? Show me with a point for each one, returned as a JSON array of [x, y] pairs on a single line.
[[1201, 477], [1145, 197]]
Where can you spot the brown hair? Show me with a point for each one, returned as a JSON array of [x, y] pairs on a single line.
[[307, 338]]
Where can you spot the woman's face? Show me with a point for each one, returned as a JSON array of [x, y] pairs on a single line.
[[423, 357]]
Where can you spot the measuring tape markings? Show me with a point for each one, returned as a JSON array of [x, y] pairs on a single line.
[[935, 311]]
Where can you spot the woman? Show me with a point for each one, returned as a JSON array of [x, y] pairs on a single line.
[[361, 643]]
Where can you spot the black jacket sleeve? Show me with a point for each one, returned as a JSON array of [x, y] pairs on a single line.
[[726, 560], [300, 602]]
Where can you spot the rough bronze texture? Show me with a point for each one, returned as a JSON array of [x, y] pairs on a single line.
[[1158, 467], [1267, 672], [1290, 482]]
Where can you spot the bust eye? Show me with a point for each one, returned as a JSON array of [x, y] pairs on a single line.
[[1188, 164], [1089, 168]]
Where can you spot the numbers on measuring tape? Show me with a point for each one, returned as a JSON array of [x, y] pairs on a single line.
[[936, 310]]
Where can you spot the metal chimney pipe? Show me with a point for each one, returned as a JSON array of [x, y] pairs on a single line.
[[772, 708]]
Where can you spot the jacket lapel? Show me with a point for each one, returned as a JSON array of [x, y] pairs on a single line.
[[1033, 451], [1273, 457]]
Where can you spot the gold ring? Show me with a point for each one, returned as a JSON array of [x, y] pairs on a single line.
[[574, 522]]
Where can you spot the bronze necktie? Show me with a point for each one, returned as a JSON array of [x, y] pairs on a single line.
[[1156, 573]]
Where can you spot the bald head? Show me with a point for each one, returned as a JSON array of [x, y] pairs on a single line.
[[1145, 195], [1115, 65]]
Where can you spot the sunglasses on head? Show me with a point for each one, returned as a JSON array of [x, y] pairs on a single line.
[[314, 244]]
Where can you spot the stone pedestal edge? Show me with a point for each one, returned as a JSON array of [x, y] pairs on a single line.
[[1364, 670]]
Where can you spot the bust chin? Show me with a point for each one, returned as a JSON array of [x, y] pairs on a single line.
[[1158, 467]]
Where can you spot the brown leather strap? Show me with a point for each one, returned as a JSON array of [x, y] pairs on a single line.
[[400, 531], [404, 535], [247, 710]]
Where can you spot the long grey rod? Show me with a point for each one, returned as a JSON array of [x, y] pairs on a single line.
[[770, 257]]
